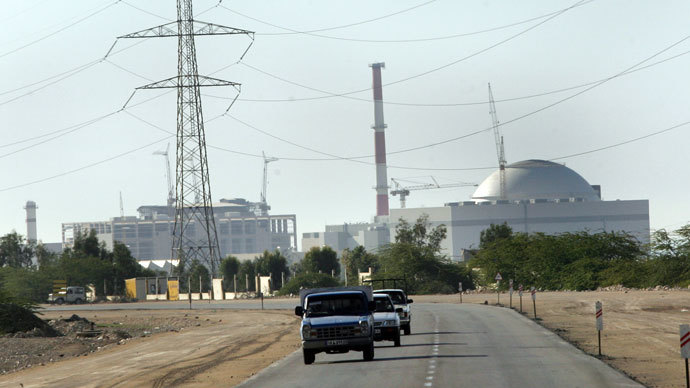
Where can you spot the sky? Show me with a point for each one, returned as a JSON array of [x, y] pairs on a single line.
[[600, 85]]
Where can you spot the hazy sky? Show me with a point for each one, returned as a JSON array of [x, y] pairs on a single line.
[[439, 58]]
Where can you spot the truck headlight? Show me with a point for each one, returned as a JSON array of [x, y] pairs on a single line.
[[389, 323], [364, 325], [306, 331]]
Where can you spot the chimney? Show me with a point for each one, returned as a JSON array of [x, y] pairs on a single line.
[[31, 221], [380, 142]]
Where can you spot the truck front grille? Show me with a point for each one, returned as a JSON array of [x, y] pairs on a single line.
[[335, 332]]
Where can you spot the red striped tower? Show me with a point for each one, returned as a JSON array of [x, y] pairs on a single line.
[[380, 143]]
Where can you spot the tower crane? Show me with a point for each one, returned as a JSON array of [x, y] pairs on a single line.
[[404, 191], [264, 203], [171, 189], [500, 152]]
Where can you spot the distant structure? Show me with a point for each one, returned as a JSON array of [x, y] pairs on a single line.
[[243, 231], [31, 234], [540, 196], [380, 143]]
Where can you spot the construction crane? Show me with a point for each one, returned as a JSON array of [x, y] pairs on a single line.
[[404, 191], [264, 203], [171, 189], [500, 152]]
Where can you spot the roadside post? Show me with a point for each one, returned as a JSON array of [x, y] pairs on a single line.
[[189, 290], [460, 289], [262, 300], [599, 314], [510, 291], [498, 279], [534, 300], [685, 350], [520, 293]]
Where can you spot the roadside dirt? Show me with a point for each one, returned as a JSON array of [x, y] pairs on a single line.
[[640, 335], [169, 348]]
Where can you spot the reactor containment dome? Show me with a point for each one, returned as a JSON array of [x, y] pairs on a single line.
[[535, 179]]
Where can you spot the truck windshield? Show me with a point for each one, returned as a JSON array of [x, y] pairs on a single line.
[[383, 305], [397, 296], [325, 305]]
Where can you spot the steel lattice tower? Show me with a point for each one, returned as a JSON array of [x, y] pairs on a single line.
[[194, 233]]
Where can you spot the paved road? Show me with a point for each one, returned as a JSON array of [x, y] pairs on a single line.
[[454, 346], [251, 304]]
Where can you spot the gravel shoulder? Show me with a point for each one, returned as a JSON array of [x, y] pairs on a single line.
[[204, 348], [640, 335]]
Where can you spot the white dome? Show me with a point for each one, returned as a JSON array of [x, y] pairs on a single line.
[[534, 179]]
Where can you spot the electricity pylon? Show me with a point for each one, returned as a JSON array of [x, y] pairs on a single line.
[[194, 233]]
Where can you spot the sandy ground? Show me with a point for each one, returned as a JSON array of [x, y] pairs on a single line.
[[224, 349], [640, 335]]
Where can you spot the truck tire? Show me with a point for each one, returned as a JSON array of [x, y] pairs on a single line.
[[396, 340], [59, 301], [407, 329], [369, 353], [78, 301], [309, 356]]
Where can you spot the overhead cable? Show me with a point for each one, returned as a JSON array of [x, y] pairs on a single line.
[[2, 55]]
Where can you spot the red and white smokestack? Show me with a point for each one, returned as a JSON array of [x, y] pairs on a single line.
[[380, 143]]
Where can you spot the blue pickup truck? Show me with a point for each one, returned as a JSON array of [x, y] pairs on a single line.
[[337, 320]]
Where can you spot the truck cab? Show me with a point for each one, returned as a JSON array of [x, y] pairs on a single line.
[[336, 320], [71, 294], [402, 305]]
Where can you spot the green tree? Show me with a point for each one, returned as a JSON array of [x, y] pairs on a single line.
[[196, 272], [274, 264], [308, 280], [357, 260], [86, 244], [323, 260], [246, 272], [493, 233], [229, 267], [15, 251]]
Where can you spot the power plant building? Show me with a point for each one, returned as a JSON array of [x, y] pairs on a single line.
[[540, 196], [244, 230]]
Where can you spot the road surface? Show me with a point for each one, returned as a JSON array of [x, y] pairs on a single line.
[[454, 346]]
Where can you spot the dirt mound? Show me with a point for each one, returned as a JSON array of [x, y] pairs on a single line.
[[71, 325], [15, 319]]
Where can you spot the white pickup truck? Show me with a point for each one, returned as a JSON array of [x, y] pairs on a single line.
[[75, 295]]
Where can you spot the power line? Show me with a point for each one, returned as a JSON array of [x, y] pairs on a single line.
[[452, 36], [581, 2], [309, 32], [450, 104], [58, 31], [84, 167], [624, 142]]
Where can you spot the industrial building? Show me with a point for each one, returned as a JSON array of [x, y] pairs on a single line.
[[245, 229], [540, 196]]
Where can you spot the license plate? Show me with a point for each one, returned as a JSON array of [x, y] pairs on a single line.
[[336, 342], [377, 331]]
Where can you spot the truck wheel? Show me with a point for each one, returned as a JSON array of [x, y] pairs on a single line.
[[309, 356], [78, 301], [396, 340], [60, 301], [407, 330], [369, 353]]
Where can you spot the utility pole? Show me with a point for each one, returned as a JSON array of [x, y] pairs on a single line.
[[194, 233], [500, 152]]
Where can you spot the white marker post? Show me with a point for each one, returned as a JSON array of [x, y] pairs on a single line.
[[599, 314], [510, 291], [460, 289], [685, 350], [534, 300], [498, 279], [520, 293]]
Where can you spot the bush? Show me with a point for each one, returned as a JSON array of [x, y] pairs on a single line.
[[15, 318], [308, 280]]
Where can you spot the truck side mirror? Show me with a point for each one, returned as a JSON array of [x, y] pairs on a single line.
[[299, 311], [399, 310], [372, 306], [409, 301]]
